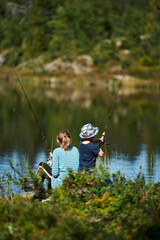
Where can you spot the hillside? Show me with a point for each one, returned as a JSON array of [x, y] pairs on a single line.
[[66, 37]]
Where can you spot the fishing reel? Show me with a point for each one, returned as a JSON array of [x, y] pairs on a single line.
[[104, 142], [49, 161]]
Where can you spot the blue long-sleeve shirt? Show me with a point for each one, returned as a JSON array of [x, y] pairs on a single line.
[[61, 161]]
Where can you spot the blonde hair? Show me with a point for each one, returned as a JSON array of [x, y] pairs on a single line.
[[64, 139]]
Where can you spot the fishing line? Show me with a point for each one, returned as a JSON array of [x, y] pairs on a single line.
[[30, 106], [104, 132], [112, 107]]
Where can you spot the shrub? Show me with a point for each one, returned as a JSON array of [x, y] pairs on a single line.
[[138, 51], [101, 57], [125, 63], [104, 52], [156, 55], [146, 61], [87, 207], [128, 43]]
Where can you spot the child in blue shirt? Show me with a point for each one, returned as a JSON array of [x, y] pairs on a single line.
[[88, 148], [63, 157]]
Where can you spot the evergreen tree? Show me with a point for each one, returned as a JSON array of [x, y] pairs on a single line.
[[134, 24], [81, 24], [34, 31], [153, 25]]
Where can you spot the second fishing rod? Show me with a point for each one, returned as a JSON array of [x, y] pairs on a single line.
[[104, 132]]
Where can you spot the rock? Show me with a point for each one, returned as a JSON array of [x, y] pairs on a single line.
[[54, 81], [124, 77], [2, 60], [86, 60], [81, 65], [126, 52], [118, 43], [28, 194], [116, 68], [15, 8], [144, 37]]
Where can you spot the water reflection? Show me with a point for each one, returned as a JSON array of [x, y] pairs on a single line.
[[133, 131], [141, 162]]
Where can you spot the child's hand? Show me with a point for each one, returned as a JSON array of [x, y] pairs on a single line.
[[101, 153], [102, 138]]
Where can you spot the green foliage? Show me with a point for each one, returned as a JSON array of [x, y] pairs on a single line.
[[2, 7], [126, 63], [12, 34], [35, 38], [156, 56], [153, 19], [146, 61], [70, 28], [138, 51], [78, 25], [135, 22], [103, 56], [13, 56], [104, 51], [86, 206]]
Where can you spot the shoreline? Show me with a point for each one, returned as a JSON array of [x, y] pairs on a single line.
[[93, 78]]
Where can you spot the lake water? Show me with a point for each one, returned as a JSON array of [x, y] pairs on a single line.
[[133, 130]]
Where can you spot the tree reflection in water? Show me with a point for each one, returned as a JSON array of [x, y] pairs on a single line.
[[133, 130]]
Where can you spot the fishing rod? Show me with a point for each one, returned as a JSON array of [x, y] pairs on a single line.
[[104, 132], [30, 106]]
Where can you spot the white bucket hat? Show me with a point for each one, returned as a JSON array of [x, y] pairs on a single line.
[[88, 131]]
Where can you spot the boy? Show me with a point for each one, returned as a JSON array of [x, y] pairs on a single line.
[[88, 148]]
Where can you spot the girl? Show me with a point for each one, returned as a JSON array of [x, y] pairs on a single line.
[[64, 157]]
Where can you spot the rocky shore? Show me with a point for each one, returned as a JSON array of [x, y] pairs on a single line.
[[80, 70]]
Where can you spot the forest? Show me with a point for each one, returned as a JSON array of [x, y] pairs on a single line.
[[105, 30]]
